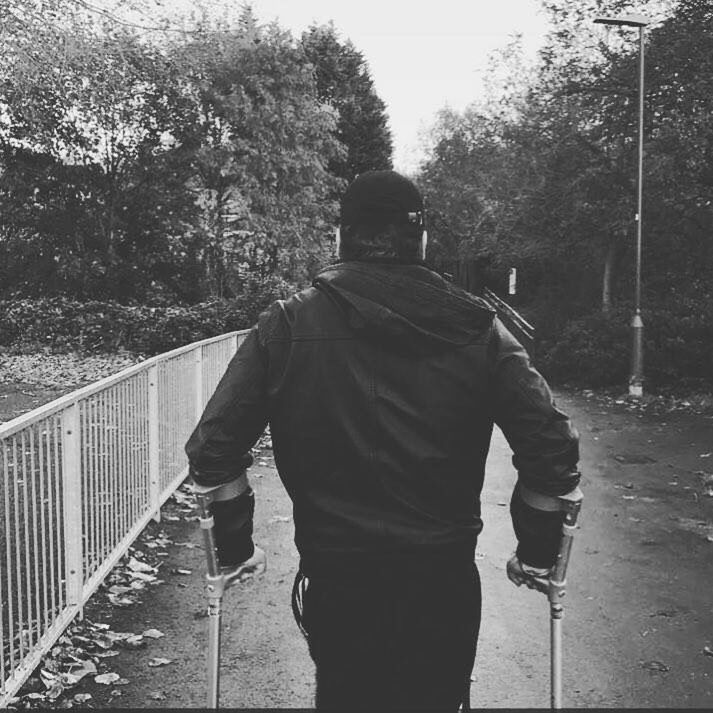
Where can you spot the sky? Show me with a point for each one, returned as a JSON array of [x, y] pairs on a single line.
[[422, 55]]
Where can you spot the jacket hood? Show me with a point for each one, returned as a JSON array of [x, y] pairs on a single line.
[[407, 306]]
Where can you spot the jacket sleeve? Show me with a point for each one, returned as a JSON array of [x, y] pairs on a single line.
[[219, 447], [544, 442]]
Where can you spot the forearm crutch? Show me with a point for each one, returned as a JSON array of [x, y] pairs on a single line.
[[216, 584], [570, 504]]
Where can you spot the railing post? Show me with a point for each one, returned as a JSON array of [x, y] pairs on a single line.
[[72, 507], [198, 380], [154, 485]]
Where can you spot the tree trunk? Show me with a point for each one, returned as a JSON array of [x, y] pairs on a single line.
[[607, 276]]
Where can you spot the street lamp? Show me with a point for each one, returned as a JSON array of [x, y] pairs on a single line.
[[636, 380]]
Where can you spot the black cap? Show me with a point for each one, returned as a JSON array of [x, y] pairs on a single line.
[[381, 196]]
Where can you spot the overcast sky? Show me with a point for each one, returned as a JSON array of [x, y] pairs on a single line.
[[422, 55]]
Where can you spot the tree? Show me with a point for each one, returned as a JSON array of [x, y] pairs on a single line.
[[344, 83], [261, 143], [96, 121]]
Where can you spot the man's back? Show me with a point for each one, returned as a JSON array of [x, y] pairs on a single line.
[[379, 407]]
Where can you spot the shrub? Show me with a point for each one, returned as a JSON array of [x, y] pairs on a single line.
[[595, 350], [66, 325]]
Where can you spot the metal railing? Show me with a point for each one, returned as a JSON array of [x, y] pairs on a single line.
[[512, 317], [80, 478]]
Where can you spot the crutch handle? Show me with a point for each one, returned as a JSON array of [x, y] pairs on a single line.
[[570, 504], [205, 518]]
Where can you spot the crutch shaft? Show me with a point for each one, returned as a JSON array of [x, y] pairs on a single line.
[[570, 504], [214, 616], [556, 659]]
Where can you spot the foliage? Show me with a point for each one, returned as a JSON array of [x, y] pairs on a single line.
[[94, 326], [171, 165], [594, 350], [542, 176], [262, 143], [344, 83]]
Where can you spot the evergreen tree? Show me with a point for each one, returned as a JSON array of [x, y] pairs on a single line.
[[344, 83]]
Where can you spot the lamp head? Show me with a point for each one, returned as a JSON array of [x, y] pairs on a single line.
[[624, 20]]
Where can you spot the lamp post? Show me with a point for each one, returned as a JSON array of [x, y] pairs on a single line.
[[636, 380]]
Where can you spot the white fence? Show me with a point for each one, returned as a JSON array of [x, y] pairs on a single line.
[[79, 479]]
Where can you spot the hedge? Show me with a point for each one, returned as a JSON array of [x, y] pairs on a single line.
[[595, 350], [97, 326]]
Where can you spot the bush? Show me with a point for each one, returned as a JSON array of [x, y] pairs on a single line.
[[66, 325], [595, 350]]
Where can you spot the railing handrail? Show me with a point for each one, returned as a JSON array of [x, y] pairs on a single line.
[[519, 320], [10, 427], [83, 475]]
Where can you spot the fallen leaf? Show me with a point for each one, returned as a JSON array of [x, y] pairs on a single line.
[[119, 601], [157, 696], [153, 633], [138, 566], [134, 642], [107, 678], [82, 697], [655, 666], [183, 571], [48, 678], [705, 455], [158, 661], [80, 669], [707, 651], [119, 589], [55, 691]]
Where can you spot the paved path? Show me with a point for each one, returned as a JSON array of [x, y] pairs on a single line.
[[639, 609]]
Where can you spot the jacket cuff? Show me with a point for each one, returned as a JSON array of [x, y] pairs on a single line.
[[538, 532], [234, 528], [220, 476]]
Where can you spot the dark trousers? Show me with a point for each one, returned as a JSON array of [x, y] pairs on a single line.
[[393, 642]]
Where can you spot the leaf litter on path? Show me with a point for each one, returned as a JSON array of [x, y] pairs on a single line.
[[153, 633], [159, 661], [655, 666], [80, 652], [107, 678]]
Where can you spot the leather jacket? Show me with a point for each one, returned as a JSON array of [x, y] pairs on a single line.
[[381, 384]]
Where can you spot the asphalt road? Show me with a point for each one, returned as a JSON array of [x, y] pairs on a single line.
[[639, 609]]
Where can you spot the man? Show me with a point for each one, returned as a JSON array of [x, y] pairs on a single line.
[[381, 384]]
